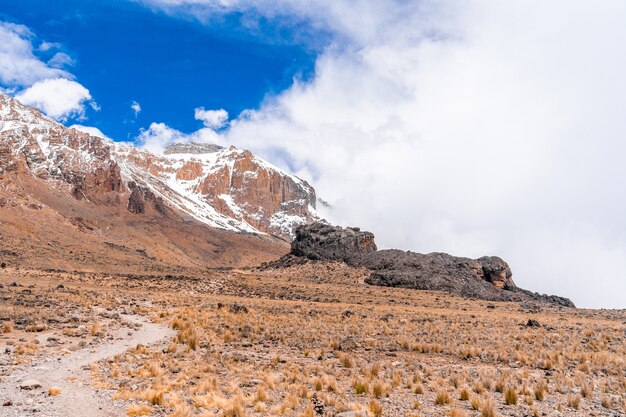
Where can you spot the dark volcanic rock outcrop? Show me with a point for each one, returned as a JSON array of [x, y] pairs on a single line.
[[320, 241], [487, 278], [481, 278]]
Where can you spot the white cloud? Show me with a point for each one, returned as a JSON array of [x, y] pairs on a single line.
[[18, 65], [159, 135], [214, 119], [60, 60], [136, 108], [47, 46], [467, 127], [93, 131], [58, 98], [45, 85]]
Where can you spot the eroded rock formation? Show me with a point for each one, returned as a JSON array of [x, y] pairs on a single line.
[[321, 241], [488, 278], [228, 188]]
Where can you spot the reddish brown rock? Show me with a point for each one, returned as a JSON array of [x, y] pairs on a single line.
[[258, 188], [189, 171], [247, 193]]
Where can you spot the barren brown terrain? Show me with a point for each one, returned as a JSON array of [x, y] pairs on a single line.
[[44, 228], [307, 340]]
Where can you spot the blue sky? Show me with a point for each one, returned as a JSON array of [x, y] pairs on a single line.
[[125, 52]]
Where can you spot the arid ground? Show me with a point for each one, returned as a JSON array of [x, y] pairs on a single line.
[[308, 340]]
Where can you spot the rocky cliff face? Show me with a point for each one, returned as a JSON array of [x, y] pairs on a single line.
[[226, 188], [488, 278], [32, 144], [223, 187]]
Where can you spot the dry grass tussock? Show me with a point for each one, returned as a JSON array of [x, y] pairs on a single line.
[[270, 343]]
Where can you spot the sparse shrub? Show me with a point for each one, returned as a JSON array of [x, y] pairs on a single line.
[[331, 385], [376, 408], [379, 389], [487, 409], [346, 360], [464, 394], [134, 410], [510, 396], [375, 370], [154, 397], [396, 378], [309, 411], [475, 403], [235, 408], [500, 384], [261, 395], [586, 390], [181, 411], [318, 384], [479, 388], [540, 390], [360, 387], [573, 401], [457, 413], [443, 398], [53, 391]]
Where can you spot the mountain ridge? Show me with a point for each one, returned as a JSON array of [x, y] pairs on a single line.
[[226, 188]]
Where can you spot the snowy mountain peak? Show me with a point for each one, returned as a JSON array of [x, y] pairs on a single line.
[[228, 188]]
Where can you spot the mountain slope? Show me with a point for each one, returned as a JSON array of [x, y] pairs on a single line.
[[69, 198], [229, 188]]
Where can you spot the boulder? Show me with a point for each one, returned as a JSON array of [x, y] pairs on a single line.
[[483, 278], [30, 384], [532, 323], [321, 241]]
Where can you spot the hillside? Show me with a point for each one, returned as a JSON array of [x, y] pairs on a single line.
[[69, 198]]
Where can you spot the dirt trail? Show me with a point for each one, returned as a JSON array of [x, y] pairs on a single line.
[[77, 397]]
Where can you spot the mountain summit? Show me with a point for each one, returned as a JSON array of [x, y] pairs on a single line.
[[226, 188]]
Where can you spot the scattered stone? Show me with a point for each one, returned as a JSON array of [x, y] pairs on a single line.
[[358, 413], [318, 405], [238, 308], [30, 384], [348, 344], [532, 323]]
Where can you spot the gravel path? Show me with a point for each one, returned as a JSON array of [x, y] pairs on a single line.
[[77, 397]]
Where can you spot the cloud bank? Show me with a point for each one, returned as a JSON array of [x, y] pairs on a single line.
[[214, 119], [59, 98], [467, 127], [44, 85]]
